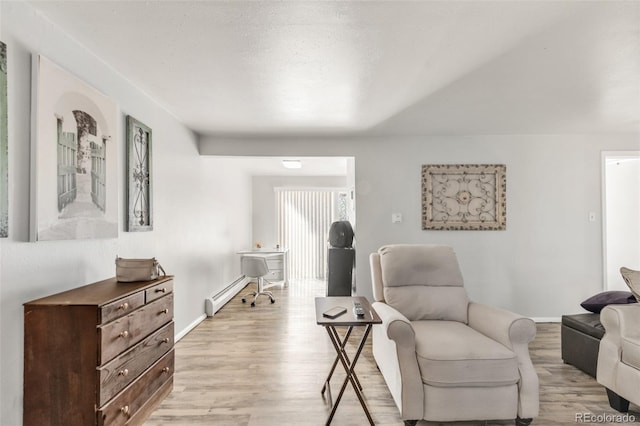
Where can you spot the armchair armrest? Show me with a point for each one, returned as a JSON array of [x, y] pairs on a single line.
[[515, 332], [621, 320], [506, 327], [396, 325], [394, 349]]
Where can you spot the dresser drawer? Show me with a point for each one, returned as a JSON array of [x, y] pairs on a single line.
[[122, 370], [274, 263], [274, 276], [158, 290], [132, 398], [151, 404], [120, 307], [121, 334]]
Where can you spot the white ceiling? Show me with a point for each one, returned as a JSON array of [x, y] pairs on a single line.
[[365, 67], [272, 166]]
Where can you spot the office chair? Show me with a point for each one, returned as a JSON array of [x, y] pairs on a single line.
[[255, 267]]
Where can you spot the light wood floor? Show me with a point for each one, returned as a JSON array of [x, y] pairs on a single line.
[[266, 365]]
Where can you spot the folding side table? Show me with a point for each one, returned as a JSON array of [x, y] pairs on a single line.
[[350, 320]]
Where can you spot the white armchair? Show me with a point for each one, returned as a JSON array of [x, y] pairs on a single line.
[[443, 357], [619, 355]]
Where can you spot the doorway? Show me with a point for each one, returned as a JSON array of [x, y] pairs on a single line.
[[317, 175], [621, 215]]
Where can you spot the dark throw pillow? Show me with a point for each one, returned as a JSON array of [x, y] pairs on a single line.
[[596, 303]]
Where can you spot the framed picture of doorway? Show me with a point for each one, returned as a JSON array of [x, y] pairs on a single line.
[[74, 152]]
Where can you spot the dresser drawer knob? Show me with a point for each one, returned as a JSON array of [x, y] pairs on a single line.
[[125, 410], [161, 290], [164, 311], [166, 370], [124, 306], [124, 334], [165, 340], [124, 372]]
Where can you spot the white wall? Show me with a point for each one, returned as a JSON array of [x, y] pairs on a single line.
[[202, 205], [265, 227], [543, 265]]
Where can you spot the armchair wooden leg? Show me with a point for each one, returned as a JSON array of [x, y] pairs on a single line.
[[617, 402], [523, 422], [410, 422]]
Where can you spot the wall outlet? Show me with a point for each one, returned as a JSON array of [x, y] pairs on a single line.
[[396, 217]]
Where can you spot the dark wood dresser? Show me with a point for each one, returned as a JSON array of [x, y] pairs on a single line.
[[101, 354]]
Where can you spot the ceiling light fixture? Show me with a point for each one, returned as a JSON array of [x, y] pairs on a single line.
[[292, 164]]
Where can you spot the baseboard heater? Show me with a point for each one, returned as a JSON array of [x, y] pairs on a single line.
[[214, 303]]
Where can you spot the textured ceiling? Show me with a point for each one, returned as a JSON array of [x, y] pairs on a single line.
[[363, 67]]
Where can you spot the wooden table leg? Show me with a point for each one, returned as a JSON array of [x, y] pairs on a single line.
[[343, 343], [349, 367]]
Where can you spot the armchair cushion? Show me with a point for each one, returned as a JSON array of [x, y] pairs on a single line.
[[429, 303], [409, 265], [453, 354], [423, 282]]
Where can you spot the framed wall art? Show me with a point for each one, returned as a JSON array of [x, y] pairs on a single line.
[[139, 189], [464, 197], [74, 152], [4, 142]]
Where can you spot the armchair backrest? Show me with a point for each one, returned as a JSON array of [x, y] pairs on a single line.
[[423, 281]]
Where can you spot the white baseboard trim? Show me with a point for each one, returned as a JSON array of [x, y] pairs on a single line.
[[190, 327], [546, 319], [218, 300], [214, 303]]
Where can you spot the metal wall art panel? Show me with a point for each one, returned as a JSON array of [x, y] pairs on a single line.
[[74, 157], [139, 188], [4, 142], [464, 197]]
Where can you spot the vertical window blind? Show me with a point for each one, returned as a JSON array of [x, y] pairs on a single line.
[[304, 219]]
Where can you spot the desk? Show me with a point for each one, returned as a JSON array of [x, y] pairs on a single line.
[[348, 319], [277, 262]]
